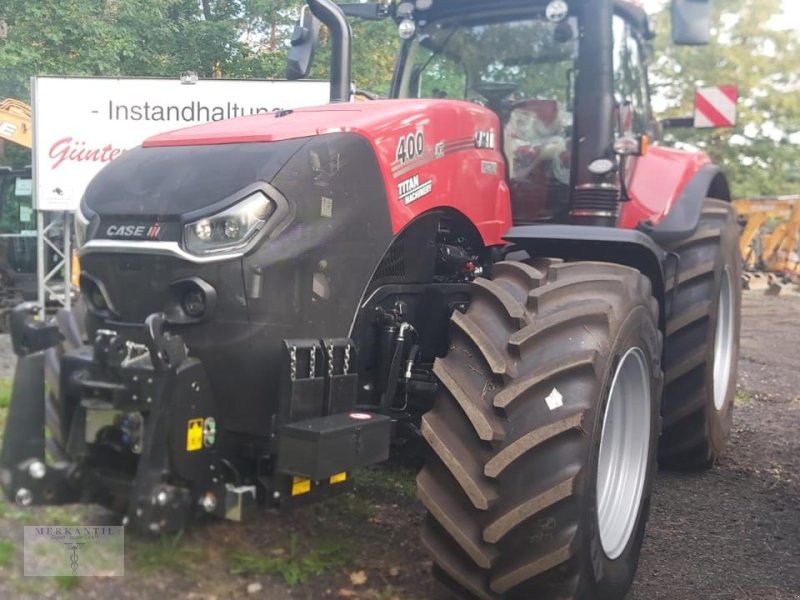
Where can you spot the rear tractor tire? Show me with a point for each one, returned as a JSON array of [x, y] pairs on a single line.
[[702, 344], [544, 434]]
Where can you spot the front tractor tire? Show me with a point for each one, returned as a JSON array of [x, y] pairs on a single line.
[[544, 434], [702, 344]]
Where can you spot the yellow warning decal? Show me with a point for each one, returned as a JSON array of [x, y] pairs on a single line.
[[194, 435], [300, 486], [338, 478]]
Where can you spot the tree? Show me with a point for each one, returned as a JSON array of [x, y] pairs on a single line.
[[116, 38], [750, 50], [163, 38]]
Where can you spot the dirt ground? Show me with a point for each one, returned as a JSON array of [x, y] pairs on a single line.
[[732, 533]]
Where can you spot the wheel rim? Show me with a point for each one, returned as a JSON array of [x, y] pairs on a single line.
[[624, 453], [723, 342]]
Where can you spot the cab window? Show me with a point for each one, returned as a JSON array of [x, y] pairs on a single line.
[[630, 80]]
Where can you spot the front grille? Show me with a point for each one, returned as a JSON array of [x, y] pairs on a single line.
[[393, 265]]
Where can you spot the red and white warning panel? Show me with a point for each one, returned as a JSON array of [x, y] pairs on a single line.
[[715, 106]]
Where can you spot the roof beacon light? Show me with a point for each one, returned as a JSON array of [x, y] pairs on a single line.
[[556, 11]]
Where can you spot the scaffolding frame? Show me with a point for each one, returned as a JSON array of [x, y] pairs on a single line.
[[54, 284]]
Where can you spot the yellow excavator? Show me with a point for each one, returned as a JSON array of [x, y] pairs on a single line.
[[18, 259], [770, 241], [15, 122], [17, 219]]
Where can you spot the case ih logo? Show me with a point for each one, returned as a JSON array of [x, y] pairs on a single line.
[[134, 231], [485, 139]]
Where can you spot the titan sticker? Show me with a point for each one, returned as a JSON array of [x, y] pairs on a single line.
[[412, 190]]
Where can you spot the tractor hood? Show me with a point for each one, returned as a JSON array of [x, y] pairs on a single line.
[[370, 119], [175, 175], [171, 182]]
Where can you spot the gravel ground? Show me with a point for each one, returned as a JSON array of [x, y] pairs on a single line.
[[730, 534], [7, 358], [734, 533]]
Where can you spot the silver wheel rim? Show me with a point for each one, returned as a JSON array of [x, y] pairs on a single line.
[[723, 342], [624, 453]]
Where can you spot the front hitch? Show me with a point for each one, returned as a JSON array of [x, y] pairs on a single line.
[[136, 421]]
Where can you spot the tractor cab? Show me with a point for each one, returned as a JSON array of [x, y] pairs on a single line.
[[522, 66], [567, 80]]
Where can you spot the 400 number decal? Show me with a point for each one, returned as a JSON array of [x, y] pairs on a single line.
[[410, 147]]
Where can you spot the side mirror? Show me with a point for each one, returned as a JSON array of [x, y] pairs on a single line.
[[691, 22], [305, 40]]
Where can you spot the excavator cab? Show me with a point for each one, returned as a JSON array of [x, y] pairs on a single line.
[[17, 241]]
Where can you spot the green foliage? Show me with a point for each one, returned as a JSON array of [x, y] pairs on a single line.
[[296, 566], [348, 507], [747, 50], [742, 397], [162, 38], [67, 582], [375, 47], [387, 480], [250, 39], [5, 392], [167, 553], [21, 516], [6, 552], [123, 37], [73, 515]]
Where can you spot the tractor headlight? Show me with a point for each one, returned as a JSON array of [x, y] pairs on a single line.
[[81, 225], [231, 229]]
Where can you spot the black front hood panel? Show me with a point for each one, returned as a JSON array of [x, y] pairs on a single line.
[[305, 279], [147, 184]]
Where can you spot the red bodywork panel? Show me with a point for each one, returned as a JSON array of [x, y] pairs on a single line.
[[451, 170], [656, 182]]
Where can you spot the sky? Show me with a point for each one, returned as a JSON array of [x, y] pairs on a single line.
[[791, 10]]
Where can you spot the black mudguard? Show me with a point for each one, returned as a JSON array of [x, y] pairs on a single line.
[[683, 219], [605, 244]]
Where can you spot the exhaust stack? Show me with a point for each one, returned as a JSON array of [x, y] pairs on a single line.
[[341, 36]]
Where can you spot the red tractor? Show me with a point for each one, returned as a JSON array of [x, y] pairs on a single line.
[[497, 264]]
